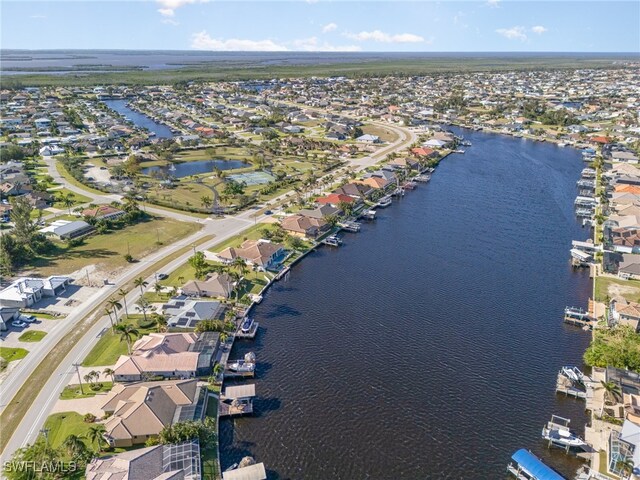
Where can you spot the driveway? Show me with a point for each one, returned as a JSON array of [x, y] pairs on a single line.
[[82, 405]]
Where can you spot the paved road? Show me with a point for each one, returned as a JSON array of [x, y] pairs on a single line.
[[223, 229]]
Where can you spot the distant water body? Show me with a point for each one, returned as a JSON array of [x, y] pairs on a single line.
[[426, 347], [14, 62], [139, 119]]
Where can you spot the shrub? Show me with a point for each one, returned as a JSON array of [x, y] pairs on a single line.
[[89, 418]]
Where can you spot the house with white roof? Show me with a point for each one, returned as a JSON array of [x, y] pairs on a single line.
[[25, 292]]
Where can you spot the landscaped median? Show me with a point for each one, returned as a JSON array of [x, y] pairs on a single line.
[[32, 336]]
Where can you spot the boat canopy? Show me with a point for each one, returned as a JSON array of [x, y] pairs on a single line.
[[531, 464]]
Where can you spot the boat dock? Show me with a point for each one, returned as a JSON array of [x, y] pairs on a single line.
[[578, 317], [251, 334], [353, 227], [368, 214], [558, 434], [422, 178], [566, 386], [237, 400]]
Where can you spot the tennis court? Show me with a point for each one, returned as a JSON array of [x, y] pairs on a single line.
[[252, 178]]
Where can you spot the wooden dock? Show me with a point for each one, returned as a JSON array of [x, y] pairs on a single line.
[[233, 375], [564, 385]]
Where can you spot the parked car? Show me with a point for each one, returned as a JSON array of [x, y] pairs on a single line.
[[27, 318], [162, 276], [268, 212], [18, 324]]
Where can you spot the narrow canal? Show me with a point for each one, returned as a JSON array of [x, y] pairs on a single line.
[[139, 119], [428, 345]]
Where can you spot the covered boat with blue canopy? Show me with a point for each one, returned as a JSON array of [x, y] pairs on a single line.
[[526, 466]]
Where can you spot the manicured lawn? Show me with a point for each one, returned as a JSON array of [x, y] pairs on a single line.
[[110, 347], [77, 198], [252, 233], [32, 336], [609, 287], [73, 391], [109, 249], [47, 316], [209, 454], [11, 354], [184, 195], [61, 425]]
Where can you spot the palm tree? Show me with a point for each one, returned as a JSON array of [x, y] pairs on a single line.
[[115, 305], [89, 379], [223, 337], [140, 282], [206, 201], [157, 288], [144, 306], [123, 294], [161, 322], [218, 368], [109, 372], [612, 391], [74, 446], [127, 333], [67, 201], [108, 312], [95, 435], [95, 374]]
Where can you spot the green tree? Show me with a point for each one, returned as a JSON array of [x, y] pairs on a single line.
[[95, 436], [141, 283], [199, 264], [128, 333]]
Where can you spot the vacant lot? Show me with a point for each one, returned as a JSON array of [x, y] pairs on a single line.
[[611, 287], [107, 251]]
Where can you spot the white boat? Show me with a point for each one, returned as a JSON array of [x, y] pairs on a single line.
[[458, 151], [573, 373], [385, 201], [232, 467], [247, 325], [557, 433], [562, 144], [333, 241], [241, 366]]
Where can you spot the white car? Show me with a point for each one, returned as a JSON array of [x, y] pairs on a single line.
[[27, 318]]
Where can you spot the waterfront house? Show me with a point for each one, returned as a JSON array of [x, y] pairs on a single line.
[[377, 183], [629, 266], [406, 163], [168, 355], [263, 254], [356, 190], [139, 411], [185, 312], [423, 152], [25, 292], [303, 226], [624, 312], [335, 199], [160, 462], [215, 285]]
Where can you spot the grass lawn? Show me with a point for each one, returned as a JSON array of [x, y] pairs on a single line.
[[109, 249], [185, 195], [47, 316], [32, 336], [11, 354], [110, 347], [252, 233], [606, 286], [61, 425], [77, 198], [386, 135], [73, 391], [209, 453]]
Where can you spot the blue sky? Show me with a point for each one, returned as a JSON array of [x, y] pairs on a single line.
[[323, 25]]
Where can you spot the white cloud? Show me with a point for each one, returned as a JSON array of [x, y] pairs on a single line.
[[379, 36], [170, 21], [513, 33], [203, 41], [329, 27], [493, 3], [539, 29], [38, 16], [311, 44], [169, 7]]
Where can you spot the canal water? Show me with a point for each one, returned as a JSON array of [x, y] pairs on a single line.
[[428, 345], [184, 169], [139, 119]]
